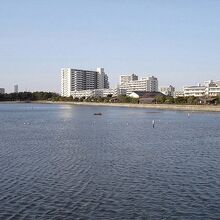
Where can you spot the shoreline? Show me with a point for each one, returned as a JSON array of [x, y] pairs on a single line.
[[171, 107]]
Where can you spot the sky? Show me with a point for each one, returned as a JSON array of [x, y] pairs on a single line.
[[176, 41]]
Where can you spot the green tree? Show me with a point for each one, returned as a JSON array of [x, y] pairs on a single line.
[[76, 99], [82, 99], [191, 100], [124, 99], [180, 100], [160, 99], [169, 100], [134, 100]]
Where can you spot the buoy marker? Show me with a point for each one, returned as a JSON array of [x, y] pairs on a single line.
[[153, 123]]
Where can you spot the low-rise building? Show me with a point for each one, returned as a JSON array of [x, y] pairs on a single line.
[[214, 91], [146, 97], [121, 91], [196, 91], [81, 93], [213, 88], [169, 91], [112, 92], [94, 93], [210, 88], [178, 94]]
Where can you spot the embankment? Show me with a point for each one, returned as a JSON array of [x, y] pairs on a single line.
[[205, 108]]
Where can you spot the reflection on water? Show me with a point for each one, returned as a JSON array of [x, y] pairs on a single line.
[[62, 162]]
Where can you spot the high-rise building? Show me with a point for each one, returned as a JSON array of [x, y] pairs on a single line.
[[152, 84], [102, 79], [106, 82], [15, 88], [76, 80], [2, 91]]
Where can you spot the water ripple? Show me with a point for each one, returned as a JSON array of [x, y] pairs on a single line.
[[64, 163]]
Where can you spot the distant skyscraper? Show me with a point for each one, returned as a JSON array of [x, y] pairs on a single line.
[[16, 89], [77, 80], [2, 91]]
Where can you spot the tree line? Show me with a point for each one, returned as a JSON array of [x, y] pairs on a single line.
[[51, 96], [190, 100], [28, 96]]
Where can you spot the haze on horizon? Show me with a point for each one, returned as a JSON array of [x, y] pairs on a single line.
[[177, 41]]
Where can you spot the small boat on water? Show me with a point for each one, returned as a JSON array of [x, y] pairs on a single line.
[[98, 113]]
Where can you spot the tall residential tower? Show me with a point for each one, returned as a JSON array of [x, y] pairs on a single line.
[[76, 80]]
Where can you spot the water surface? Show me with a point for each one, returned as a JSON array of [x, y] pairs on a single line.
[[62, 162]]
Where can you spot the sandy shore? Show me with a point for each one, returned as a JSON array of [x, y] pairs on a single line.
[[205, 108]]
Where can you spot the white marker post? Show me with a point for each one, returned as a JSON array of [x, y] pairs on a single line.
[[153, 123]]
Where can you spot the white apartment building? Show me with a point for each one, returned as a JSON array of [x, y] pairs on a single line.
[[152, 84], [196, 91], [66, 81], [178, 94], [73, 80], [137, 85], [214, 91], [127, 78], [132, 83], [104, 92], [213, 88], [210, 88]]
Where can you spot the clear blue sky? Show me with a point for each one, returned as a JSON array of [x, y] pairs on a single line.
[[176, 40]]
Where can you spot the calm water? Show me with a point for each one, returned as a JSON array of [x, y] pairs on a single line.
[[62, 162]]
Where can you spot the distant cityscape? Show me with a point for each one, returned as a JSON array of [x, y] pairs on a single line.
[[86, 83], [2, 90]]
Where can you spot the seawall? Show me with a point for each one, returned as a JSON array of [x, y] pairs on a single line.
[[205, 108]]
